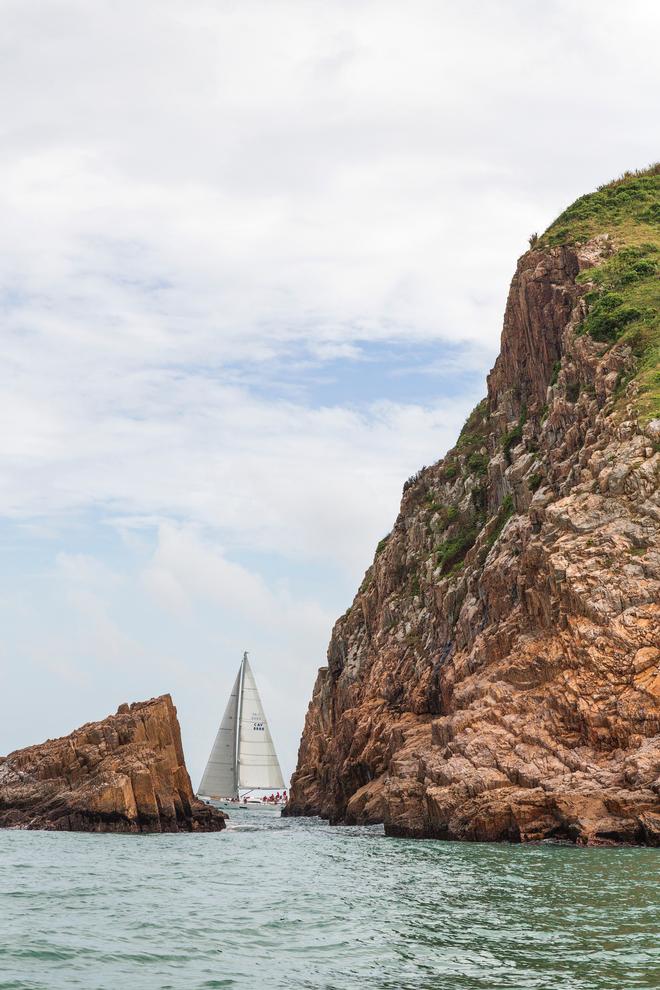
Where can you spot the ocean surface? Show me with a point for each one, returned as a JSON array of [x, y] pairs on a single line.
[[275, 902]]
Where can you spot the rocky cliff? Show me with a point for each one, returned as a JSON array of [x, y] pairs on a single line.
[[498, 673], [126, 773]]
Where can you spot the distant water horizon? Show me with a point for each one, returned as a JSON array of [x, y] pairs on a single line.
[[295, 903]]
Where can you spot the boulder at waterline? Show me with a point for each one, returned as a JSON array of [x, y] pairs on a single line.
[[126, 773]]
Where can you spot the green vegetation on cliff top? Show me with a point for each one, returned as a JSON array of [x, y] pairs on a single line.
[[624, 303], [627, 208], [623, 306]]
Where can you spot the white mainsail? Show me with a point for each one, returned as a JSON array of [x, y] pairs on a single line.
[[219, 778], [243, 754]]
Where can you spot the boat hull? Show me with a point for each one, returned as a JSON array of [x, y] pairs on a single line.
[[246, 805]]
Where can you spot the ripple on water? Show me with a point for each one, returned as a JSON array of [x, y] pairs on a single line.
[[296, 904]]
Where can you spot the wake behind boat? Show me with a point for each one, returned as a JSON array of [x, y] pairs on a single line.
[[243, 756]]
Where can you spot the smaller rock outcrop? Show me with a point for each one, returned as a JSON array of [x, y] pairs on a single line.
[[126, 773]]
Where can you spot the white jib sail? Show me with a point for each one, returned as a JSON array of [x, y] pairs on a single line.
[[258, 765], [219, 778]]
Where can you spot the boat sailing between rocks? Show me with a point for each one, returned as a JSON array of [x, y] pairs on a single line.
[[243, 756]]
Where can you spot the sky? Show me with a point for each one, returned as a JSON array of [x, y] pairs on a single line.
[[253, 263]]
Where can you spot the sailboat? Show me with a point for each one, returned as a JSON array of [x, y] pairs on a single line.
[[243, 756]]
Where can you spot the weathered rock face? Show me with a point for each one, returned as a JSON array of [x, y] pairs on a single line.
[[498, 674], [126, 773]]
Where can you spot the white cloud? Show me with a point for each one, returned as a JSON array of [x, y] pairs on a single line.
[[186, 569], [213, 180], [272, 475], [81, 570], [205, 205]]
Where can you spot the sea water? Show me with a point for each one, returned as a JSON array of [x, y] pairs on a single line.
[[274, 902]]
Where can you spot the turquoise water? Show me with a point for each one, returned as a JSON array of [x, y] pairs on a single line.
[[294, 903]]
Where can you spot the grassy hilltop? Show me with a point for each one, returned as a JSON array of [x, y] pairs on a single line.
[[624, 301]]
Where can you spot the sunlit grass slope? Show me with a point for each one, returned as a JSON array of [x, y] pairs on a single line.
[[624, 302]]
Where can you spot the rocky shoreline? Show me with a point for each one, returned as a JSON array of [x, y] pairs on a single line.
[[126, 773], [497, 676]]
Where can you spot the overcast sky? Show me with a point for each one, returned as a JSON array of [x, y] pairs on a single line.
[[254, 258]]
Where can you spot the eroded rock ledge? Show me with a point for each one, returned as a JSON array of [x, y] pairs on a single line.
[[126, 773], [497, 676]]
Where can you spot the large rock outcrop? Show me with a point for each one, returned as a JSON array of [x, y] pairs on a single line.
[[126, 773], [498, 673]]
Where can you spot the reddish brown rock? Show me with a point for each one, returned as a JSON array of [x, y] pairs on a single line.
[[126, 773], [498, 673]]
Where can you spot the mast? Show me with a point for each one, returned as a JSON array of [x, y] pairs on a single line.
[[239, 714]]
